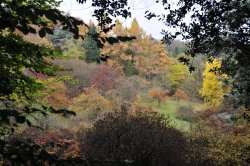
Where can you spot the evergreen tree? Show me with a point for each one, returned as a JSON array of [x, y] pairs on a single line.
[[129, 69], [92, 52], [60, 37]]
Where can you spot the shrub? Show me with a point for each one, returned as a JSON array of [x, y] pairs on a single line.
[[221, 145], [126, 90], [55, 93], [186, 112], [80, 71], [90, 104], [139, 137], [60, 142], [104, 78]]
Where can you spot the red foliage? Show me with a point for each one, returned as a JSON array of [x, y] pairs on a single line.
[[45, 138], [104, 78], [62, 143], [39, 76]]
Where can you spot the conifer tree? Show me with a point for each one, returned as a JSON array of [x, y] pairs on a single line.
[[135, 29], [92, 52], [119, 30], [129, 69]]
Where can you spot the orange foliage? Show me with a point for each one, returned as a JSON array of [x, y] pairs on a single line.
[[62, 143], [148, 55], [54, 93], [180, 95], [158, 93]]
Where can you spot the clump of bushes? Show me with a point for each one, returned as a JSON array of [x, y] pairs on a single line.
[[186, 112]]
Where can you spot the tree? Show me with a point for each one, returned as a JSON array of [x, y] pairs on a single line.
[[54, 92], [178, 74], [92, 52], [59, 38], [212, 89], [216, 29], [104, 78], [118, 29], [158, 93], [176, 47], [126, 90], [90, 104], [129, 69], [135, 29], [180, 95], [73, 49], [139, 53]]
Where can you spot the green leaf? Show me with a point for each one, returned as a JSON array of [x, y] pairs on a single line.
[[49, 31], [42, 32], [28, 123], [20, 119]]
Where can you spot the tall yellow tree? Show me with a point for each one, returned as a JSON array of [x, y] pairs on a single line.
[[212, 89]]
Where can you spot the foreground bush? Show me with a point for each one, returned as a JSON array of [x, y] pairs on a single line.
[[222, 144], [59, 142], [140, 138]]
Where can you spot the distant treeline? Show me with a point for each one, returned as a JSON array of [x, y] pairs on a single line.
[[176, 47]]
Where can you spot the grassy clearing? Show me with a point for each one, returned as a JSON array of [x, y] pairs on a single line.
[[168, 108]]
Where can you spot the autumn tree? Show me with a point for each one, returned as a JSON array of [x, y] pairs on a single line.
[[126, 90], [81, 73], [139, 54], [217, 29], [180, 95], [90, 104], [88, 101], [104, 78], [212, 89], [146, 63], [177, 75], [54, 92], [119, 29], [135, 29], [158, 93], [73, 49]]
